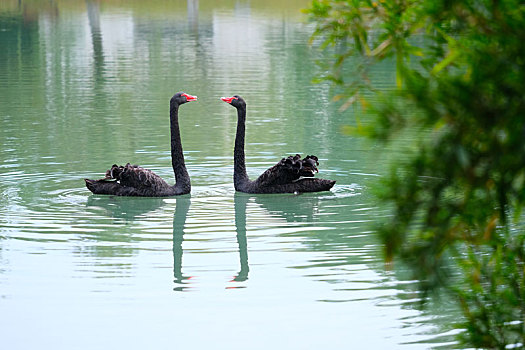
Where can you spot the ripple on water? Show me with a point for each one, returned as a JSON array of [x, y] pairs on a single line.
[[58, 212]]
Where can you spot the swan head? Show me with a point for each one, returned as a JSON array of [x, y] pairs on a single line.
[[236, 101], [182, 97]]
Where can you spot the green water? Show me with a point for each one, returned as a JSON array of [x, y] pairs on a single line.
[[86, 84]]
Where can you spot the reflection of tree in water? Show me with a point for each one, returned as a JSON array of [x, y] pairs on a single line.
[[20, 42], [193, 15], [93, 12]]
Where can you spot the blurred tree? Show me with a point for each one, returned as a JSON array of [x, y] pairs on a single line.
[[460, 67]]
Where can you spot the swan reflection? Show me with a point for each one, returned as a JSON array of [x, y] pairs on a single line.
[[179, 220], [125, 208], [240, 201], [130, 210], [182, 206], [293, 208]]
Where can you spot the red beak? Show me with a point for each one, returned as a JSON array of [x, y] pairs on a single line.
[[190, 97], [228, 99]]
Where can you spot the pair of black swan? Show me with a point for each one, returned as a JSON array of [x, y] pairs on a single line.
[[290, 175]]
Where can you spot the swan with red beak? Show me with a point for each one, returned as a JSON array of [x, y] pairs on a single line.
[[133, 180], [290, 175]]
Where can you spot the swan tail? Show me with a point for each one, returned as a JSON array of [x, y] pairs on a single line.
[[319, 185], [102, 186], [110, 184], [313, 185]]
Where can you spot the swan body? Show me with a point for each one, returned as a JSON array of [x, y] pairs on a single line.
[[133, 180], [290, 175]]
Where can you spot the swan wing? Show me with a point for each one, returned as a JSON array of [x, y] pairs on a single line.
[[288, 170], [136, 177]]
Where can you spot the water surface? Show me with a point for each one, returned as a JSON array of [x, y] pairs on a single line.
[[86, 84]]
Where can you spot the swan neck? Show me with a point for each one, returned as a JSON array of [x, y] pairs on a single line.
[[240, 177], [182, 179]]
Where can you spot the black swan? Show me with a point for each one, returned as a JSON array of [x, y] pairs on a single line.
[[133, 180], [290, 175]]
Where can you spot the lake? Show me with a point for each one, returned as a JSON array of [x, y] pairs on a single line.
[[86, 84]]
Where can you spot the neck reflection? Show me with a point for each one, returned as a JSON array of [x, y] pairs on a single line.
[[182, 205], [240, 201], [179, 220]]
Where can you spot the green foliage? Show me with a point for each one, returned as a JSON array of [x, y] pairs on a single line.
[[460, 65]]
